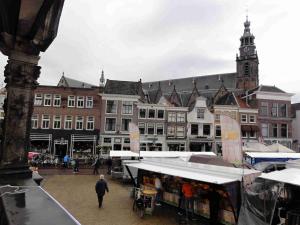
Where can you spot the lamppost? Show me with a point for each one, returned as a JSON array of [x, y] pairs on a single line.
[[27, 27]]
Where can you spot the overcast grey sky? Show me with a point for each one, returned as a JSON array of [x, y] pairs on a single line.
[[165, 39]]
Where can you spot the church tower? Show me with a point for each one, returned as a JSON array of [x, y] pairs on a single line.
[[247, 61]]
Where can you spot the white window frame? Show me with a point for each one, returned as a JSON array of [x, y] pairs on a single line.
[[47, 97], [90, 123], [126, 104], [79, 121], [172, 118], [56, 100], [140, 113], [183, 131], [262, 128], [43, 119], [245, 119], [200, 111], [35, 121], [89, 102], [157, 126], [153, 128], [38, 99], [173, 129], [123, 119], [71, 99], [115, 127], [80, 102], [116, 107], [149, 114], [180, 117], [68, 121], [216, 130], [142, 125], [55, 119], [163, 112], [254, 118]]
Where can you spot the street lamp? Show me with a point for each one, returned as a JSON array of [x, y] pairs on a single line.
[[27, 27]]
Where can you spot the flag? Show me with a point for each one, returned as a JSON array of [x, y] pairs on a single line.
[[231, 140], [134, 134]]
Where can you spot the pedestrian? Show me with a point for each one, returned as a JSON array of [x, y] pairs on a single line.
[[158, 188], [96, 166], [187, 191], [66, 161], [101, 187], [109, 165], [214, 204], [76, 165]]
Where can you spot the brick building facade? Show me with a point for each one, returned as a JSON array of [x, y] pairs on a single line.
[[66, 118]]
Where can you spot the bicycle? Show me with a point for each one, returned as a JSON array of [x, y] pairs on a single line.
[[140, 203]]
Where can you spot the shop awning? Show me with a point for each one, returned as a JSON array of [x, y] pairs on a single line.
[[289, 176], [158, 154], [195, 171]]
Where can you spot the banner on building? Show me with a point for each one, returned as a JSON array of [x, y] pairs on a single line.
[[231, 140], [134, 134]]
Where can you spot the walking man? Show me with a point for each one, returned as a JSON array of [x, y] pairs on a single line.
[[96, 165], [101, 187]]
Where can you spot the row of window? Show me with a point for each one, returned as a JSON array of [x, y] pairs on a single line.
[[248, 118], [67, 124], [276, 109], [151, 128], [151, 113], [274, 130], [111, 126], [127, 107], [176, 131], [55, 100], [176, 117], [195, 129]]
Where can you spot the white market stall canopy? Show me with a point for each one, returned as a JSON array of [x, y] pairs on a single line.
[[157, 154], [273, 155], [195, 171], [289, 176]]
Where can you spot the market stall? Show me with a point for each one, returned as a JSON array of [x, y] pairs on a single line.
[[273, 199], [256, 157], [216, 189]]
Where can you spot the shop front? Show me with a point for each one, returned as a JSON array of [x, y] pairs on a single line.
[[216, 194]]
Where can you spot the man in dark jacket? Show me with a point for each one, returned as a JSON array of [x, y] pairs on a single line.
[[101, 187], [96, 165]]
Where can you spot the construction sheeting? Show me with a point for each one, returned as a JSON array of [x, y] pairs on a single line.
[[195, 171], [289, 176], [157, 154]]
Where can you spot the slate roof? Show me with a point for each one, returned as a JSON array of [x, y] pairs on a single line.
[[266, 88], [227, 99], [121, 87], [69, 82], [203, 83]]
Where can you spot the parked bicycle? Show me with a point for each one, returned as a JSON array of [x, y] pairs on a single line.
[[140, 203]]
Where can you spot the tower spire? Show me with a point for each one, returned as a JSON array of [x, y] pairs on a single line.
[[102, 79]]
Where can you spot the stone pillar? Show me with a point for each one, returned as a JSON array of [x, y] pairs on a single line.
[[21, 73]]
